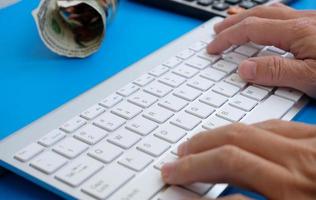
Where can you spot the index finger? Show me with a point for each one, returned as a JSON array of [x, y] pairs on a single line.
[[279, 33], [226, 164], [268, 12]]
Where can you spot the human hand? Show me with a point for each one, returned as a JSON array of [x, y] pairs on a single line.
[[280, 26], [275, 158]]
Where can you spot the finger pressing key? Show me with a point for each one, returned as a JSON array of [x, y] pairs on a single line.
[[268, 12], [226, 164], [260, 31]]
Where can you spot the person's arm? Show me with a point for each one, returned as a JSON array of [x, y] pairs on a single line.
[[280, 26], [275, 158]]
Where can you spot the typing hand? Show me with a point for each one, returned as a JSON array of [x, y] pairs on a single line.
[[275, 158], [280, 26]]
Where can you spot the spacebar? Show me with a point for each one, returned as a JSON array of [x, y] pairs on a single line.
[[142, 187], [272, 108]]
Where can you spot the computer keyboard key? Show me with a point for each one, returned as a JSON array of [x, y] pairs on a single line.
[[255, 93], [198, 46], [200, 83], [212, 74], [196, 131], [289, 93], [211, 58], [70, 147], [172, 80], [173, 62], [142, 99], [144, 186], [276, 50], [107, 181], [225, 89], [174, 151], [215, 122], [257, 46], [198, 62], [246, 50], [225, 66], [185, 121], [111, 101], [266, 52], [185, 71], [157, 114], [243, 103], [186, 54], [247, 4], [173, 103], [73, 124], [199, 188], [221, 6], [234, 57], [128, 90], [187, 93], [92, 112], [48, 162], [126, 110], [233, 1], [90, 134], [158, 89], [141, 126], [235, 80], [124, 138], [159, 70], [52, 137], [79, 171], [230, 49], [205, 2], [200, 110], [144, 80], [273, 107], [170, 133], [105, 152], [213, 99], [153, 146], [230, 113], [260, 1], [167, 159], [109, 122], [29, 152], [135, 160]]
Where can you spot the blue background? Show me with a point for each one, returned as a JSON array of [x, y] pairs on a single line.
[[34, 81]]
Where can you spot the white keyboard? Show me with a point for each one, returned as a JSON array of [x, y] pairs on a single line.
[[113, 146]]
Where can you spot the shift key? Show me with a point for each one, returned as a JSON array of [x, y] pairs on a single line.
[[272, 108]]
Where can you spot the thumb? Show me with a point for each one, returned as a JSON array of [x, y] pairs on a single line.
[[274, 71]]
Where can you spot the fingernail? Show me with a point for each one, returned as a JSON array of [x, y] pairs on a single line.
[[183, 149], [167, 171], [248, 70]]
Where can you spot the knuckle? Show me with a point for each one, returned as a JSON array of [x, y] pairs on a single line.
[[187, 165], [229, 158], [303, 26], [250, 21], [229, 151], [256, 11], [234, 131], [276, 68]]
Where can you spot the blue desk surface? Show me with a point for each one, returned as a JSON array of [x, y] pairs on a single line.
[[34, 81]]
